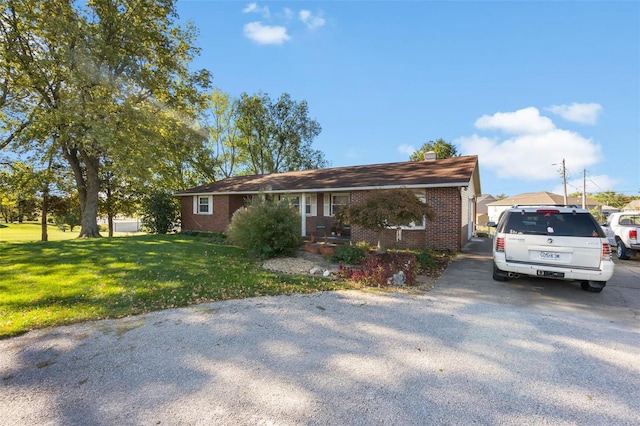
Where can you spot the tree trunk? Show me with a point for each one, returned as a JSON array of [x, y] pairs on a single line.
[[110, 221], [109, 209], [45, 207], [88, 187], [89, 208]]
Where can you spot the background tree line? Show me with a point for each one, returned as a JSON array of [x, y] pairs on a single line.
[[100, 94]]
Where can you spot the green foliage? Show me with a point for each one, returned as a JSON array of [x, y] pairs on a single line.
[[159, 212], [613, 199], [442, 148], [266, 228], [100, 82], [425, 258], [349, 254], [62, 282], [380, 209], [18, 188], [276, 136]]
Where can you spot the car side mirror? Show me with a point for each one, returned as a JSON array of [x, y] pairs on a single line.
[[492, 224]]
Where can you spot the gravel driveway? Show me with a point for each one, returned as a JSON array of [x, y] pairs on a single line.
[[452, 356]]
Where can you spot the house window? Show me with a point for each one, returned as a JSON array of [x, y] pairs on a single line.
[[422, 224], [307, 206], [294, 201], [337, 202], [203, 204]]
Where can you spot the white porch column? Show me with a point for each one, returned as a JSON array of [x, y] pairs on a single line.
[[303, 213]]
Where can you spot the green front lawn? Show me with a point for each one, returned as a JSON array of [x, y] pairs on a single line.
[[31, 231], [61, 282]]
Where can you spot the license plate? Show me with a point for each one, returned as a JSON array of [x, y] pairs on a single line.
[[549, 255], [550, 274]]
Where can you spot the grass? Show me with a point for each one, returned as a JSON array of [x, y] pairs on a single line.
[[61, 282], [30, 231]]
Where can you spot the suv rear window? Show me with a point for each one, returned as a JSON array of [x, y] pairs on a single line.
[[551, 223]]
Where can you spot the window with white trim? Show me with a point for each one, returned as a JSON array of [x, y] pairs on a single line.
[[310, 203], [420, 195], [310, 208], [338, 200], [203, 204]]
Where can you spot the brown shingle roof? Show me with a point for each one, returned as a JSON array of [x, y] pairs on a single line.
[[457, 171]]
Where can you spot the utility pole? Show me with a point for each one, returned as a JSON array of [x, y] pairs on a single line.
[[564, 181], [584, 188]]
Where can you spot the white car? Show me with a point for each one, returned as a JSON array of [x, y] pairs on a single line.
[[552, 242]]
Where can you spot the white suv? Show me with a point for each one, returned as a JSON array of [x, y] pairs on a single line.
[[553, 242]]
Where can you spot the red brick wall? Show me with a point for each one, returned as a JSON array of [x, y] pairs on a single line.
[[442, 233], [223, 208]]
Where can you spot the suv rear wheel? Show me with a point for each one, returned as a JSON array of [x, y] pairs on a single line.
[[593, 286]]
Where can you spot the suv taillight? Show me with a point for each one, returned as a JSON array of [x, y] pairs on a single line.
[[633, 234], [500, 244], [606, 251]]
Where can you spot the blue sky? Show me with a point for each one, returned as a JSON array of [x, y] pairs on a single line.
[[520, 84]]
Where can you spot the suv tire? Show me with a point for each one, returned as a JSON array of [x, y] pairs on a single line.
[[499, 275], [590, 287], [621, 250]]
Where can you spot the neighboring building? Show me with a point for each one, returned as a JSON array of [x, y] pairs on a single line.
[[607, 210], [482, 209], [495, 208], [632, 206], [450, 186], [123, 223]]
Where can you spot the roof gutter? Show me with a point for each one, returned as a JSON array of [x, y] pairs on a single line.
[[355, 188]]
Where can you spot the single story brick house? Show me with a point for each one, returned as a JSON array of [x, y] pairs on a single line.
[[450, 186]]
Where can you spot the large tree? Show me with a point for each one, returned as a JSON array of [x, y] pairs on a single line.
[[442, 148], [277, 136], [382, 209], [220, 156], [103, 81]]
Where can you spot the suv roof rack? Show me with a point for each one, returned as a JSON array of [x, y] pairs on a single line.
[[516, 206]]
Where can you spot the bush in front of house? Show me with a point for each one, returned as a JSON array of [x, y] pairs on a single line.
[[349, 254], [266, 228]]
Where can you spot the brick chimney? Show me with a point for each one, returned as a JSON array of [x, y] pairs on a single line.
[[430, 156]]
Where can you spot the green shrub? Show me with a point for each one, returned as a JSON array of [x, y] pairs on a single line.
[[349, 254], [159, 212], [266, 228], [425, 259]]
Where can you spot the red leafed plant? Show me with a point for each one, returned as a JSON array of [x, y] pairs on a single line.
[[377, 269]]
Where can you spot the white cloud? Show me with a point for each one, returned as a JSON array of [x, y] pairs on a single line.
[[533, 157], [288, 13], [579, 113], [406, 149], [311, 21], [266, 34], [523, 121], [254, 8]]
